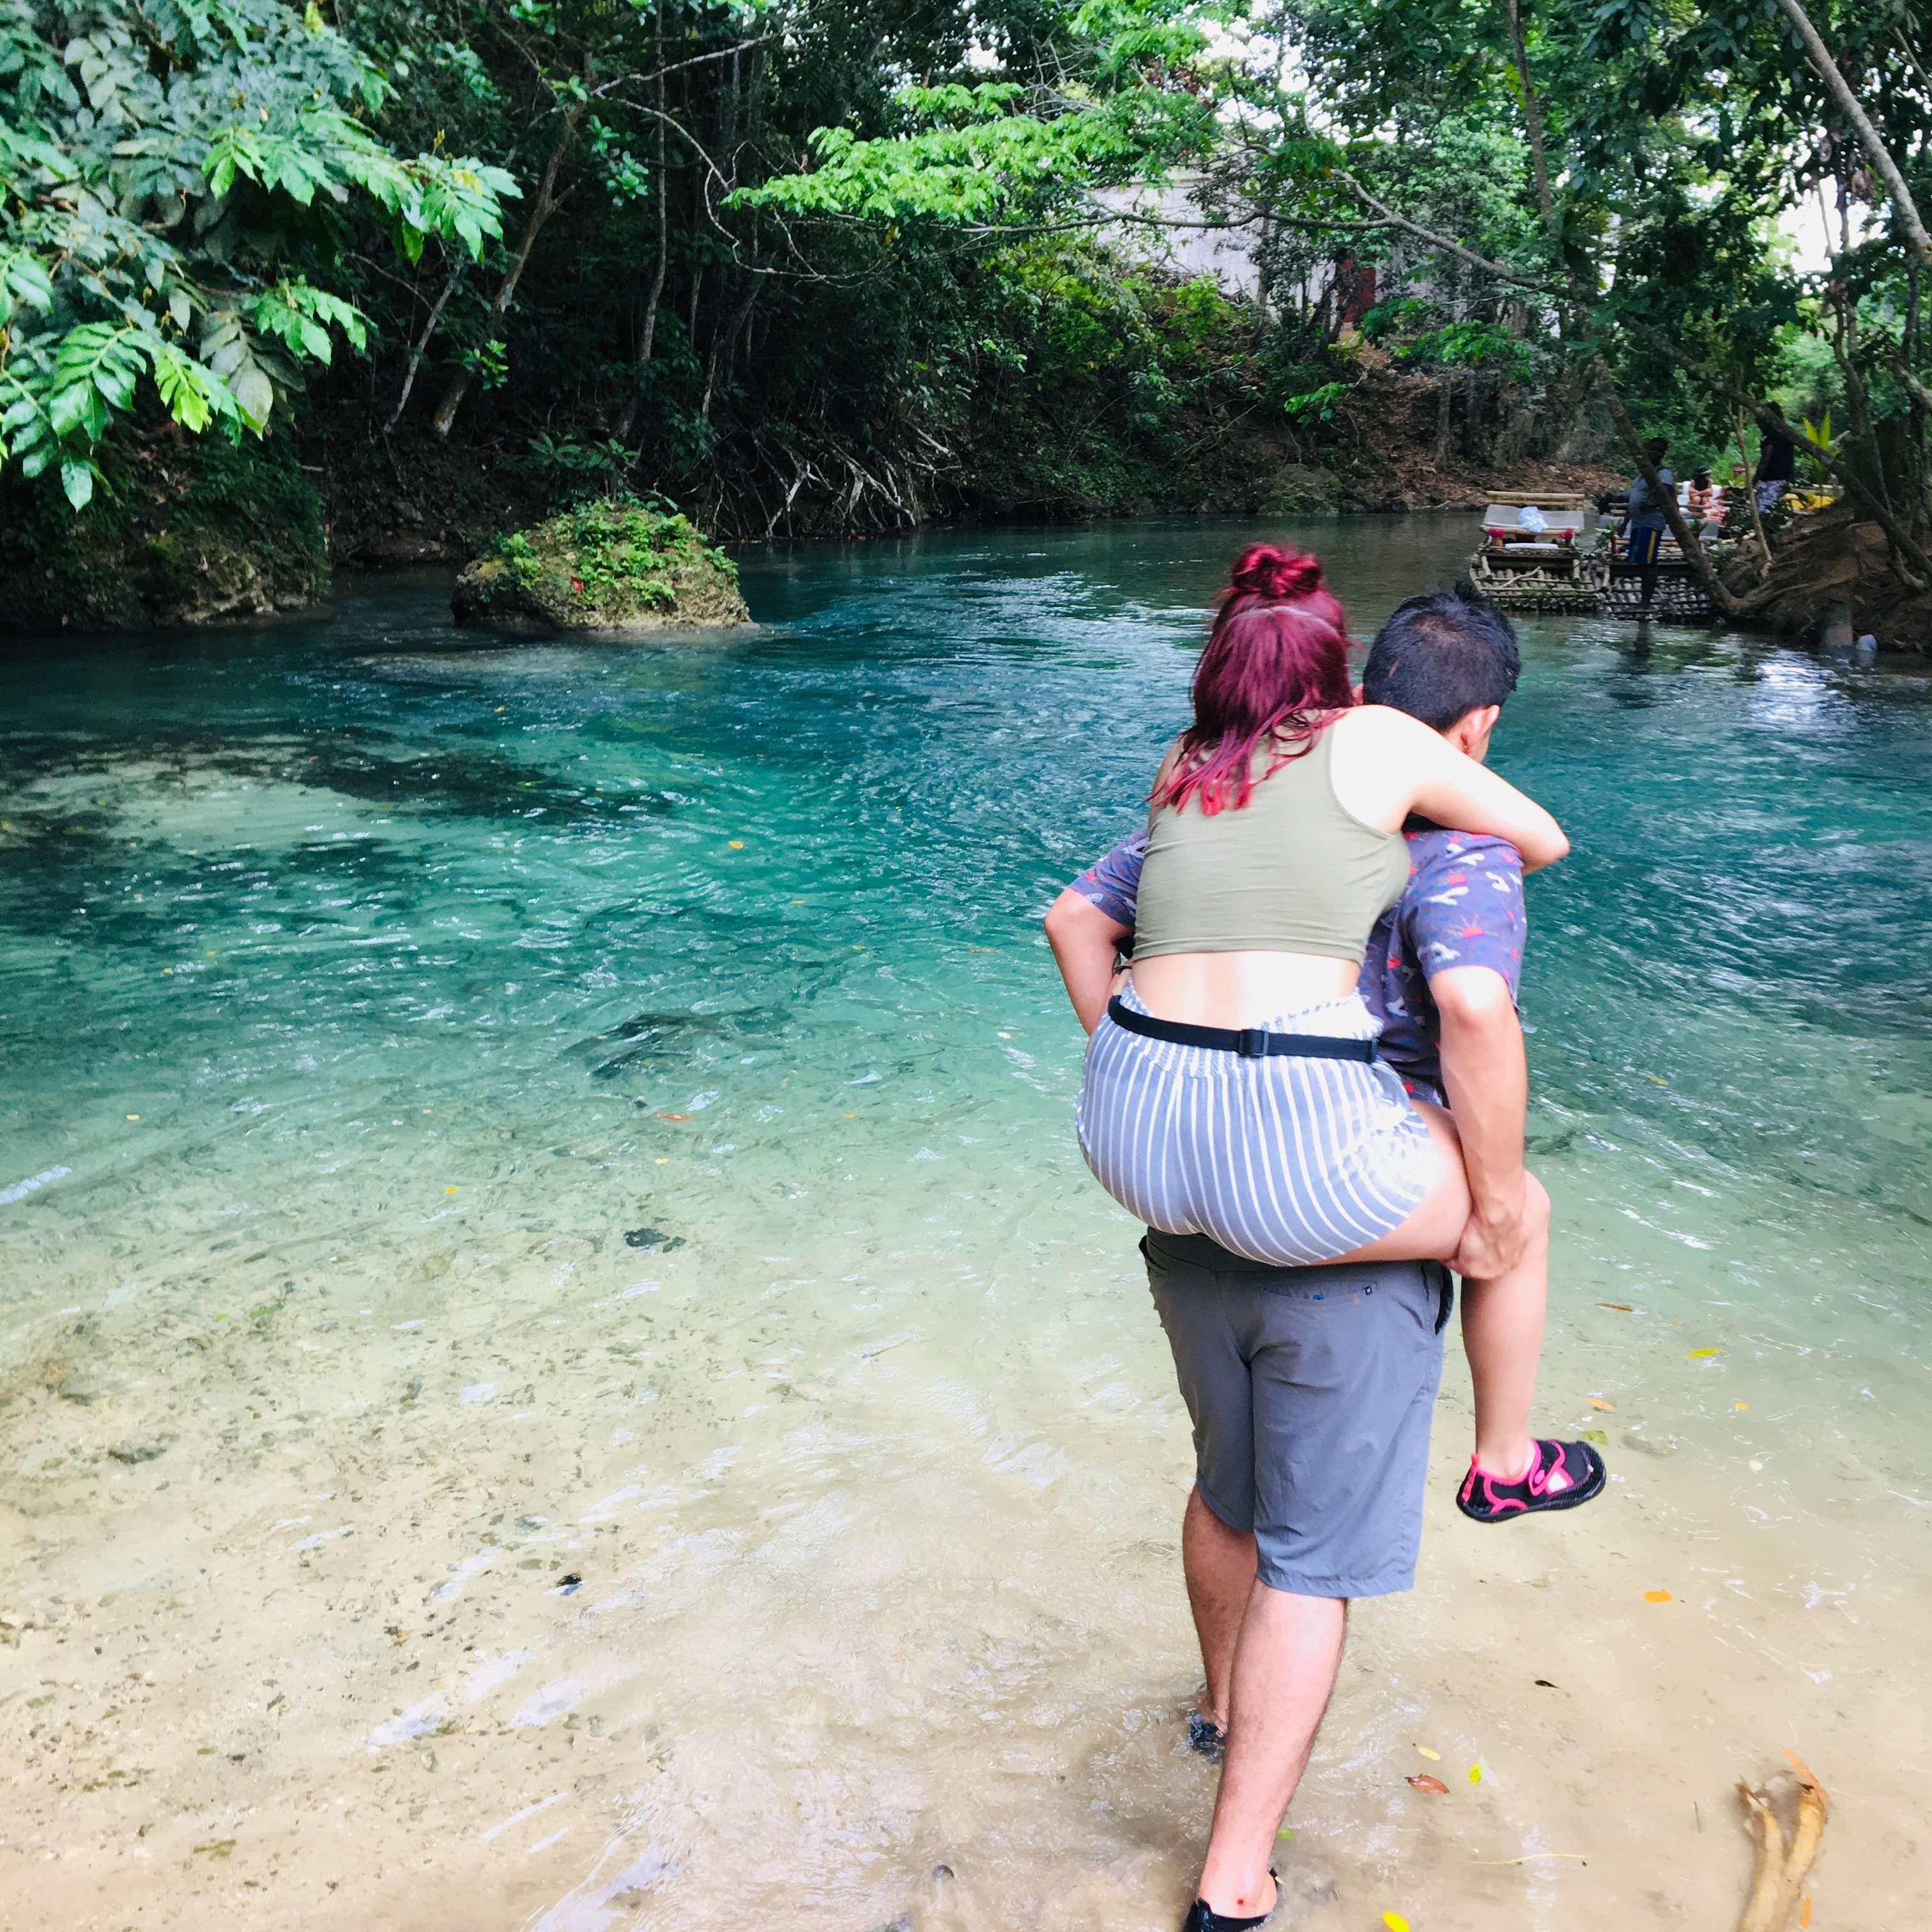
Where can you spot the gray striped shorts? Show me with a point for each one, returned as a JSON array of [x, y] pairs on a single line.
[[1288, 1161]]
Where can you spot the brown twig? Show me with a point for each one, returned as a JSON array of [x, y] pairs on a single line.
[[1786, 1816]]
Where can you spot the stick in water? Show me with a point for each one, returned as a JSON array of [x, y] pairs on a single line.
[[1786, 1816]]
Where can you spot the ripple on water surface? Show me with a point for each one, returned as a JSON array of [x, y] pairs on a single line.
[[556, 1340]]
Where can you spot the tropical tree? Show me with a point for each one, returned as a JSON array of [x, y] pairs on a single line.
[[177, 186]]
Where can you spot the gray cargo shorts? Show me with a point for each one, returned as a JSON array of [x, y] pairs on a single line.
[[1311, 1391]]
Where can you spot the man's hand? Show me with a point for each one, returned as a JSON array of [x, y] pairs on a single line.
[[1501, 1228], [1085, 941]]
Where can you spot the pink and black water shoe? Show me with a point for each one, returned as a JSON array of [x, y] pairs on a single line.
[[1561, 1476]]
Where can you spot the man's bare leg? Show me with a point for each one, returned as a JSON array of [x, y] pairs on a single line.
[[1285, 1659], [1220, 1566]]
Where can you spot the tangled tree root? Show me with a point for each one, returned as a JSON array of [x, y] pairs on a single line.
[[1786, 1816]]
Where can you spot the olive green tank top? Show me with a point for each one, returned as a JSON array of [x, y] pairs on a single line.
[[1292, 871]]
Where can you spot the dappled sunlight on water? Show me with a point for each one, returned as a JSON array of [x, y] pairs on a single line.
[[557, 1352]]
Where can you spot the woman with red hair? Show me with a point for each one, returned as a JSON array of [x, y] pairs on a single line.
[[1233, 1089]]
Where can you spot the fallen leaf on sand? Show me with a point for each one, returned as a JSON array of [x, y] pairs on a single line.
[[1598, 1402], [1621, 1307], [1698, 1354], [1395, 1921], [1805, 1913], [1475, 1774], [673, 1116], [1597, 1436], [1422, 1781], [1434, 1757], [1657, 1596]]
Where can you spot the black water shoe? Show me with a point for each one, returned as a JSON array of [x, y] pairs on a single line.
[[1203, 1917]]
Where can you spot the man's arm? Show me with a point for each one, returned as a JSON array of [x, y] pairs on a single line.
[[1086, 940], [1092, 923], [1463, 921], [1487, 1077]]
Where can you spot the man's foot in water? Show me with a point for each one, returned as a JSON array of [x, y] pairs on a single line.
[[1206, 1737], [1558, 1476], [1203, 1917]]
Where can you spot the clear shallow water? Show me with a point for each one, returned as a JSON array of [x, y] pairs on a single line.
[[604, 1112]]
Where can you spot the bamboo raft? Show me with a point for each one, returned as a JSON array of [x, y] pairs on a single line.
[[1682, 597], [1533, 558], [1529, 560]]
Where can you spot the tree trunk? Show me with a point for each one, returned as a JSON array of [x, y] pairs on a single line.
[[647, 333], [1876, 152], [541, 209], [724, 344], [421, 348], [1532, 122], [1757, 516]]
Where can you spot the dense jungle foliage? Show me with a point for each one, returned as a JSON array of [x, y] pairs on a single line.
[[822, 265]]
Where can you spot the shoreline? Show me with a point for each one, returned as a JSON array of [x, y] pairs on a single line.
[[338, 1632]]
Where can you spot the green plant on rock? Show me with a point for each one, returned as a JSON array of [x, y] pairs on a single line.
[[520, 554], [176, 184]]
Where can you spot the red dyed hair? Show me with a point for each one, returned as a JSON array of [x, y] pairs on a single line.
[[1277, 658]]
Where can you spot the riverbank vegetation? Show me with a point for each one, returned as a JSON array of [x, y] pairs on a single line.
[[823, 267]]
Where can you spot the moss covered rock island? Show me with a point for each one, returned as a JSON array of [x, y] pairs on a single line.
[[616, 564]]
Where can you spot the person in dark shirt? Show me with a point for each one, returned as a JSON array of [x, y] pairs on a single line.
[[1777, 464]]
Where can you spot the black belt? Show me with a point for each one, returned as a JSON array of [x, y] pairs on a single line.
[[1250, 1042]]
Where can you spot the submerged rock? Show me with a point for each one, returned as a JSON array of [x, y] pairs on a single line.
[[614, 565], [652, 1238]]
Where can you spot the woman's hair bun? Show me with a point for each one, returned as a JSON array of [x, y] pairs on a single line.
[[1266, 571]]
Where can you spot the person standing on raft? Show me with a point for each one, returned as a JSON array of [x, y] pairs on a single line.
[[1645, 522]]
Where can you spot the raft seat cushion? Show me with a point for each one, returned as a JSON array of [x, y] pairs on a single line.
[[1506, 520]]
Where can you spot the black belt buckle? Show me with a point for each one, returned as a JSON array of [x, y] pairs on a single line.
[[1251, 1042]]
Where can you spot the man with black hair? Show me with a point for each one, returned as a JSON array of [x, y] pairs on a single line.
[[1441, 972], [1310, 1389]]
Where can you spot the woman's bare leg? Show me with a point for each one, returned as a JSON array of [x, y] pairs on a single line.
[[1502, 1335], [1434, 1231], [1502, 1318]]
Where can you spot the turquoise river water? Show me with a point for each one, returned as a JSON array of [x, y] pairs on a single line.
[[560, 1366]]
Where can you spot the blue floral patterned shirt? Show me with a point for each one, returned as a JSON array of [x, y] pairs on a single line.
[[1462, 906]]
